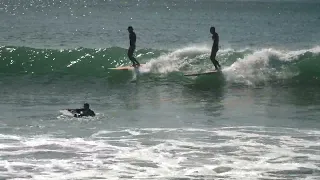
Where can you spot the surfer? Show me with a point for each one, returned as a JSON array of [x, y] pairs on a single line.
[[215, 48], [85, 111], [132, 38]]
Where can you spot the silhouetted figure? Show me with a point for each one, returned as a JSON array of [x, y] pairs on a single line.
[[85, 111], [215, 48], [132, 38]]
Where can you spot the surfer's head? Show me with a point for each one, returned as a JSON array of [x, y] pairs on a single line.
[[212, 30], [130, 29], [86, 106]]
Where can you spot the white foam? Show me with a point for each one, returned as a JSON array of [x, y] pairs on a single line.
[[176, 59], [229, 153], [255, 67], [252, 69]]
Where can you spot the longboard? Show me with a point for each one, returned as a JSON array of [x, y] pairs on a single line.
[[203, 73], [126, 67]]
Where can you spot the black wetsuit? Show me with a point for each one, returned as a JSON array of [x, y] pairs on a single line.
[[214, 50], [132, 38], [82, 112]]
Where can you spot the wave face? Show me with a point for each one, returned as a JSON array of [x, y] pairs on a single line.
[[248, 66], [80, 61]]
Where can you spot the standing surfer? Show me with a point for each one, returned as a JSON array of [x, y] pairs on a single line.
[[215, 48], [132, 38]]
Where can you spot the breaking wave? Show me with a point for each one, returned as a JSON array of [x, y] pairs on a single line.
[[248, 66]]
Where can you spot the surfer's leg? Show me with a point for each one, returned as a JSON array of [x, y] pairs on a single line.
[[134, 59], [216, 59], [213, 59], [217, 63], [130, 55], [214, 62]]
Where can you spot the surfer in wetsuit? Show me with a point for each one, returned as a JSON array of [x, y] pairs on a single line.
[[215, 48], [85, 111], [132, 38]]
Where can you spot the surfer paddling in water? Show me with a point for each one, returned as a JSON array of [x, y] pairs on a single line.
[[85, 111], [215, 48], [132, 38]]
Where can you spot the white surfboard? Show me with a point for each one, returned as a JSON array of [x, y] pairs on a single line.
[[126, 68], [65, 112]]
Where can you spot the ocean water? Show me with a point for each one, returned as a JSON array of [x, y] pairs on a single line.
[[257, 120]]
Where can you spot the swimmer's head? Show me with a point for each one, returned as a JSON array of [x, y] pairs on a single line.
[[86, 106], [212, 30]]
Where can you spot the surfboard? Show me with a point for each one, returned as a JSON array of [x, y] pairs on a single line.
[[126, 68], [203, 73], [66, 112]]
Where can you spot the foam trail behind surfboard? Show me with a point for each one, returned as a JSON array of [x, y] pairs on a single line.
[[136, 72], [134, 75]]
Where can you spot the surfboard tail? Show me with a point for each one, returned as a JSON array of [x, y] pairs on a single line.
[[203, 73], [127, 67]]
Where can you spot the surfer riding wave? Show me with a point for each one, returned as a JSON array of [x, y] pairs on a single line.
[[132, 38]]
